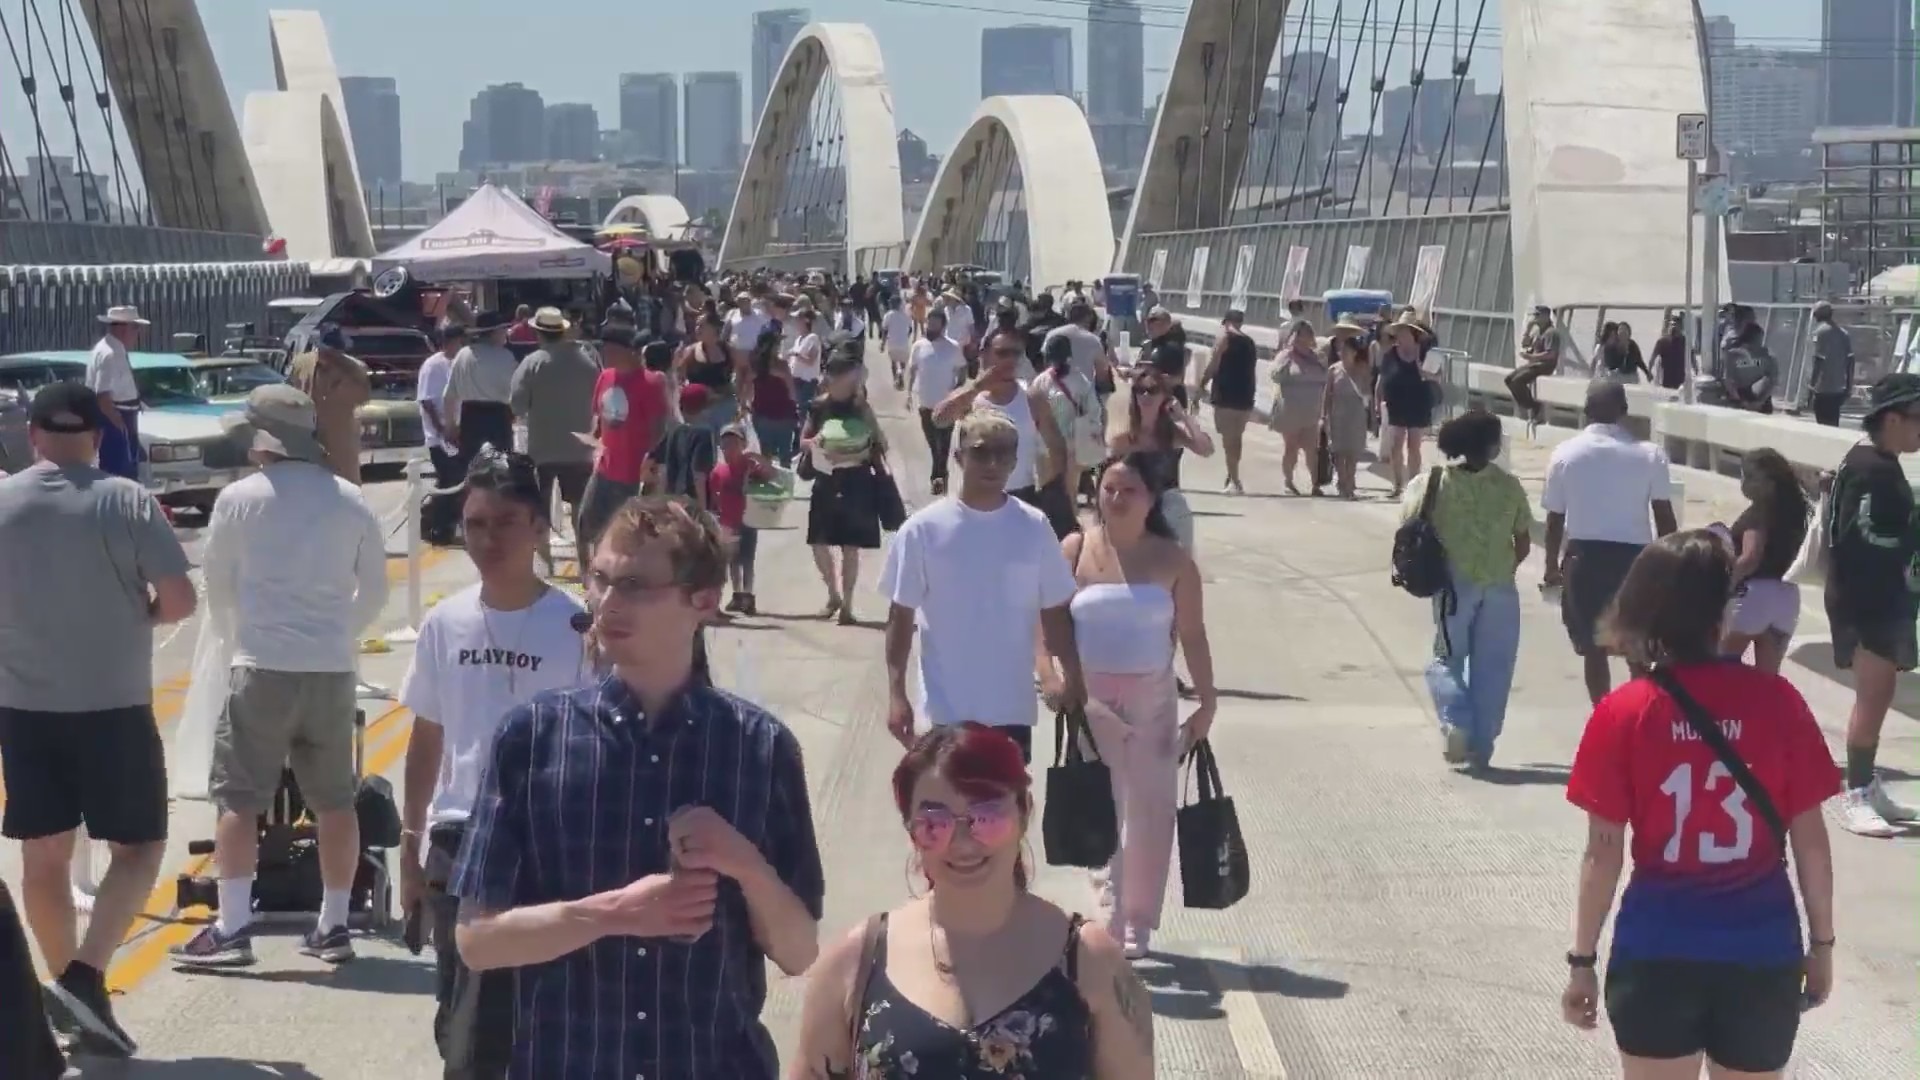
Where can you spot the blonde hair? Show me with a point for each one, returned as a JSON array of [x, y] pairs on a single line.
[[696, 550], [984, 424]]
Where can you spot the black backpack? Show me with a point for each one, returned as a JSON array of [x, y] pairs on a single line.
[[1419, 559]]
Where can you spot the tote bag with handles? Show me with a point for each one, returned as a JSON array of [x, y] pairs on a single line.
[[1214, 870], [1078, 826]]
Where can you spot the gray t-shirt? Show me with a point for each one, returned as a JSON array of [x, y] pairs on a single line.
[[553, 396], [81, 548], [1832, 359]]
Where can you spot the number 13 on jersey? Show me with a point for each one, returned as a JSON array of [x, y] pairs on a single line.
[[1711, 827]]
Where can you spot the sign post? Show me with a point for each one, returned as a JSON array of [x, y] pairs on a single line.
[[1692, 144]]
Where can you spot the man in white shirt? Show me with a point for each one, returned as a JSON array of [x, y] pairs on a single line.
[[896, 336], [430, 393], [1601, 485], [110, 375], [934, 367], [1089, 354], [960, 325], [745, 323], [296, 568], [482, 652], [974, 575]]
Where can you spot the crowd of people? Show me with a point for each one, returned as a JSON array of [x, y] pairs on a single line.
[[608, 848]]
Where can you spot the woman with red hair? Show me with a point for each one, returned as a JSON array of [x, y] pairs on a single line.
[[978, 978]]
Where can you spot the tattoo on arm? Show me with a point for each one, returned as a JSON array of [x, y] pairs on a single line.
[[1135, 1004]]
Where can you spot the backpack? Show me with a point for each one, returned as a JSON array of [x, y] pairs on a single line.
[[1419, 559]]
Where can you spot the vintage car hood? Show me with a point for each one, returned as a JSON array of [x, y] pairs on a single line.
[[184, 423], [377, 409]]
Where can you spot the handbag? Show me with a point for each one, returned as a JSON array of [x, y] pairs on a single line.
[[1323, 461], [1079, 826], [888, 506], [1810, 565], [1705, 726], [1214, 871]]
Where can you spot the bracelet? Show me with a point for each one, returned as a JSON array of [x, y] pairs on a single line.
[[1587, 961]]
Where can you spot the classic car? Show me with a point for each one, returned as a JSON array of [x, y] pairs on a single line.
[[20, 376], [190, 456], [390, 428]]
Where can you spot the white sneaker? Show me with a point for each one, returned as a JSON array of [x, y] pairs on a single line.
[[1858, 815], [1455, 748], [1887, 807]]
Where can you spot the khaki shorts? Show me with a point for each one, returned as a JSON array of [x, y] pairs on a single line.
[[1231, 422], [279, 718]]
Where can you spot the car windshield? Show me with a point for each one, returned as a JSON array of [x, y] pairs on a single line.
[[168, 386], [234, 380], [26, 378]]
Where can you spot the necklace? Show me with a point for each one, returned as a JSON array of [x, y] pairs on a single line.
[[513, 655]]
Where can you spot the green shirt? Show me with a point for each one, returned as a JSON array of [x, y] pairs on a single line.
[[1477, 515]]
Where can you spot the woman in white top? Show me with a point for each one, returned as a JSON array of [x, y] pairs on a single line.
[[1139, 596], [1079, 414], [803, 360]]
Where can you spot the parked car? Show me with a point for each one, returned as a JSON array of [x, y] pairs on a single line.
[[390, 428], [190, 456], [20, 378]]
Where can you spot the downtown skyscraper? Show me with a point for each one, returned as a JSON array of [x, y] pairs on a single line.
[[773, 34]]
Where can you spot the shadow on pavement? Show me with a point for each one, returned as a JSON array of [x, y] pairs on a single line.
[[1519, 776], [366, 974], [92, 1068], [1817, 657], [1188, 988], [1256, 695]]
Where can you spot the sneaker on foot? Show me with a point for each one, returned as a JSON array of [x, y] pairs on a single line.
[[1894, 811], [1454, 747], [1136, 944], [211, 948], [1858, 816], [334, 946], [746, 605], [83, 991]]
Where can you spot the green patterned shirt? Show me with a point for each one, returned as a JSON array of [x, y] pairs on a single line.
[[1477, 516]]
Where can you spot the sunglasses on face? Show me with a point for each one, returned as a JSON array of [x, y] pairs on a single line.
[[990, 823], [626, 586]]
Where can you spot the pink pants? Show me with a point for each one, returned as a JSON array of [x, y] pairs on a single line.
[[1136, 725]]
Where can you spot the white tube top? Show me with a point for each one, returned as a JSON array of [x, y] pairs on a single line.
[[1124, 629]]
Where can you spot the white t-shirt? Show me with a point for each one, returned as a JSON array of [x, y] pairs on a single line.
[[803, 360], [1605, 481], [937, 366], [109, 371], [472, 665], [744, 328], [896, 330], [977, 582], [435, 372], [960, 323]]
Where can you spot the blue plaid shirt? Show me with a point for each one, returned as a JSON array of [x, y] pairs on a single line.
[[575, 802]]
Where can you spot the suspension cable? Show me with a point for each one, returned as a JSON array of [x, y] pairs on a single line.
[[30, 87], [1413, 103], [179, 113], [132, 118], [1280, 115], [1460, 66], [1340, 117], [1313, 109], [152, 72], [1480, 167], [103, 101], [1226, 128], [1379, 91], [83, 168]]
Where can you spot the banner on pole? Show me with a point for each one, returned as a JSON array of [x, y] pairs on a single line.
[[1426, 278], [1157, 272], [1355, 271], [1197, 276], [1242, 277], [1296, 274]]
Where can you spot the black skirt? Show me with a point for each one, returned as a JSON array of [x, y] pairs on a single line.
[[843, 511]]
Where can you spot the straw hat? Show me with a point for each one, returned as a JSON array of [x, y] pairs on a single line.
[[123, 315], [550, 320], [1411, 320], [1347, 327]]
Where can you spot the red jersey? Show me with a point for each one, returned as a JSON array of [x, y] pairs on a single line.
[[1709, 881], [631, 407], [727, 491]]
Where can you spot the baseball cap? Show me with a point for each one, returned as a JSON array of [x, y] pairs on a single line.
[[694, 398], [67, 408]]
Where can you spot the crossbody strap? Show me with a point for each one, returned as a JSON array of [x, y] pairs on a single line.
[[1432, 494], [1709, 731], [870, 938]]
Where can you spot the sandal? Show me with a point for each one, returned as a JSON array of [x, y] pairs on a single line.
[[847, 617], [833, 608]]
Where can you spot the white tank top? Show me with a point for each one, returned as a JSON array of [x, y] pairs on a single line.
[[1124, 629], [1018, 410]]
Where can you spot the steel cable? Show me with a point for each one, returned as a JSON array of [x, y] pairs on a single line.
[[1313, 108], [1413, 104], [1378, 89], [1340, 118], [30, 88], [83, 166], [1453, 114]]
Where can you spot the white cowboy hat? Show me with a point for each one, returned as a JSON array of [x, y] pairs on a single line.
[[123, 315]]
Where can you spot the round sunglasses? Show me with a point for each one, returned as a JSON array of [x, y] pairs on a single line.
[[990, 823]]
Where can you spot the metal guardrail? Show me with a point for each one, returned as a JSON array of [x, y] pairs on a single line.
[[57, 307], [85, 243]]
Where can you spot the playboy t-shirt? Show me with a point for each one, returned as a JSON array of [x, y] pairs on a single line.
[[472, 666], [1709, 877]]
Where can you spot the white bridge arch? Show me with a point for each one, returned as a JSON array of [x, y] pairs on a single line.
[[301, 149], [869, 158], [663, 216], [1062, 197]]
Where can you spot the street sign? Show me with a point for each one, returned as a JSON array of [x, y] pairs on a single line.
[[1690, 137]]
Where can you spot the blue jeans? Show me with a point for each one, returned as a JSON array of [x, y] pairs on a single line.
[[778, 438], [1472, 680], [804, 391]]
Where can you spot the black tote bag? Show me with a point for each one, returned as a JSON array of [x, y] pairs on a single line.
[[1323, 462], [888, 506], [1079, 825], [1214, 873]]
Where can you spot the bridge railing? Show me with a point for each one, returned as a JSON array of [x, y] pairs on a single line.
[[71, 243], [57, 307], [1472, 308]]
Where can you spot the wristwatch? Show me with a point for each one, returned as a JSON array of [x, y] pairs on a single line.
[[1578, 960]]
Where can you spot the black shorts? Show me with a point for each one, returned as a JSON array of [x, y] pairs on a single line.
[[1743, 1018], [1890, 638], [570, 477], [1595, 570], [106, 770]]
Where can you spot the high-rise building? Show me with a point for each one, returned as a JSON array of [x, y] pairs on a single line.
[[1116, 62], [1764, 101], [773, 34], [1868, 60], [1026, 60], [713, 113], [507, 125], [373, 117], [650, 108], [573, 132]]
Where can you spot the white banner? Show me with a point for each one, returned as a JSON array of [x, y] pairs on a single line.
[[1296, 274], [1157, 273], [1358, 255], [1426, 278], [1242, 277], [1196, 276]]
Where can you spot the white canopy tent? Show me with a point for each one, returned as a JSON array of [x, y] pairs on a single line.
[[494, 235]]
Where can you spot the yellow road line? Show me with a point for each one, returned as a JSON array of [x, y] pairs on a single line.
[[171, 696], [160, 927]]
